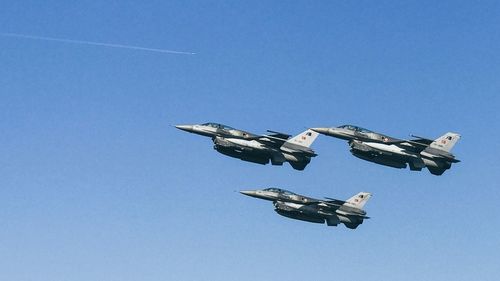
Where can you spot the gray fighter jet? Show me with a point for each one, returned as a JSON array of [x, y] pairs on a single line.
[[275, 147], [397, 153], [304, 208]]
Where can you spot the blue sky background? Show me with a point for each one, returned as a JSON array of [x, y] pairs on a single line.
[[96, 184]]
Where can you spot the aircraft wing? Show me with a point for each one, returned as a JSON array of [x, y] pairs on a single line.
[[419, 143], [330, 202], [334, 201], [275, 139], [335, 204], [415, 145], [271, 140], [279, 135], [422, 140]]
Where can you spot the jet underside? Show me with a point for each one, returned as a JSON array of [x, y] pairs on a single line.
[[299, 207], [316, 214], [397, 157], [246, 153], [253, 151], [417, 153], [275, 147]]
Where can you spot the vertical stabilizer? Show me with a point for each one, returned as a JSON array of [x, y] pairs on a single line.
[[359, 200], [445, 142], [305, 138]]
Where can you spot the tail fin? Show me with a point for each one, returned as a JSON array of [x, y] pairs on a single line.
[[359, 200], [305, 138], [446, 142]]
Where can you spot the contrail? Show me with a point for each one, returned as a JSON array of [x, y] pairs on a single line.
[[25, 36]]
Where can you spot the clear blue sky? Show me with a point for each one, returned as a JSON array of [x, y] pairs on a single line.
[[96, 184]]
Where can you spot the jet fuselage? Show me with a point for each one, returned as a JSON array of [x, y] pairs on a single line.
[[275, 148], [309, 209], [396, 153]]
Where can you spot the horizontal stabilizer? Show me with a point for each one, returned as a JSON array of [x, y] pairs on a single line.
[[449, 159]]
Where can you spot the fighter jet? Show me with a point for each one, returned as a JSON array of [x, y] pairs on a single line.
[[275, 147], [397, 153], [299, 207]]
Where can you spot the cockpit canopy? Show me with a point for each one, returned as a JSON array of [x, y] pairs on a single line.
[[355, 128], [217, 126], [279, 190]]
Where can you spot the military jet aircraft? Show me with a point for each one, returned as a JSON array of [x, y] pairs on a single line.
[[384, 150], [275, 147], [299, 207]]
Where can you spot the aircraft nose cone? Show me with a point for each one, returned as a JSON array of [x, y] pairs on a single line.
[[321, 130], [187, 128], [248, 192]]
